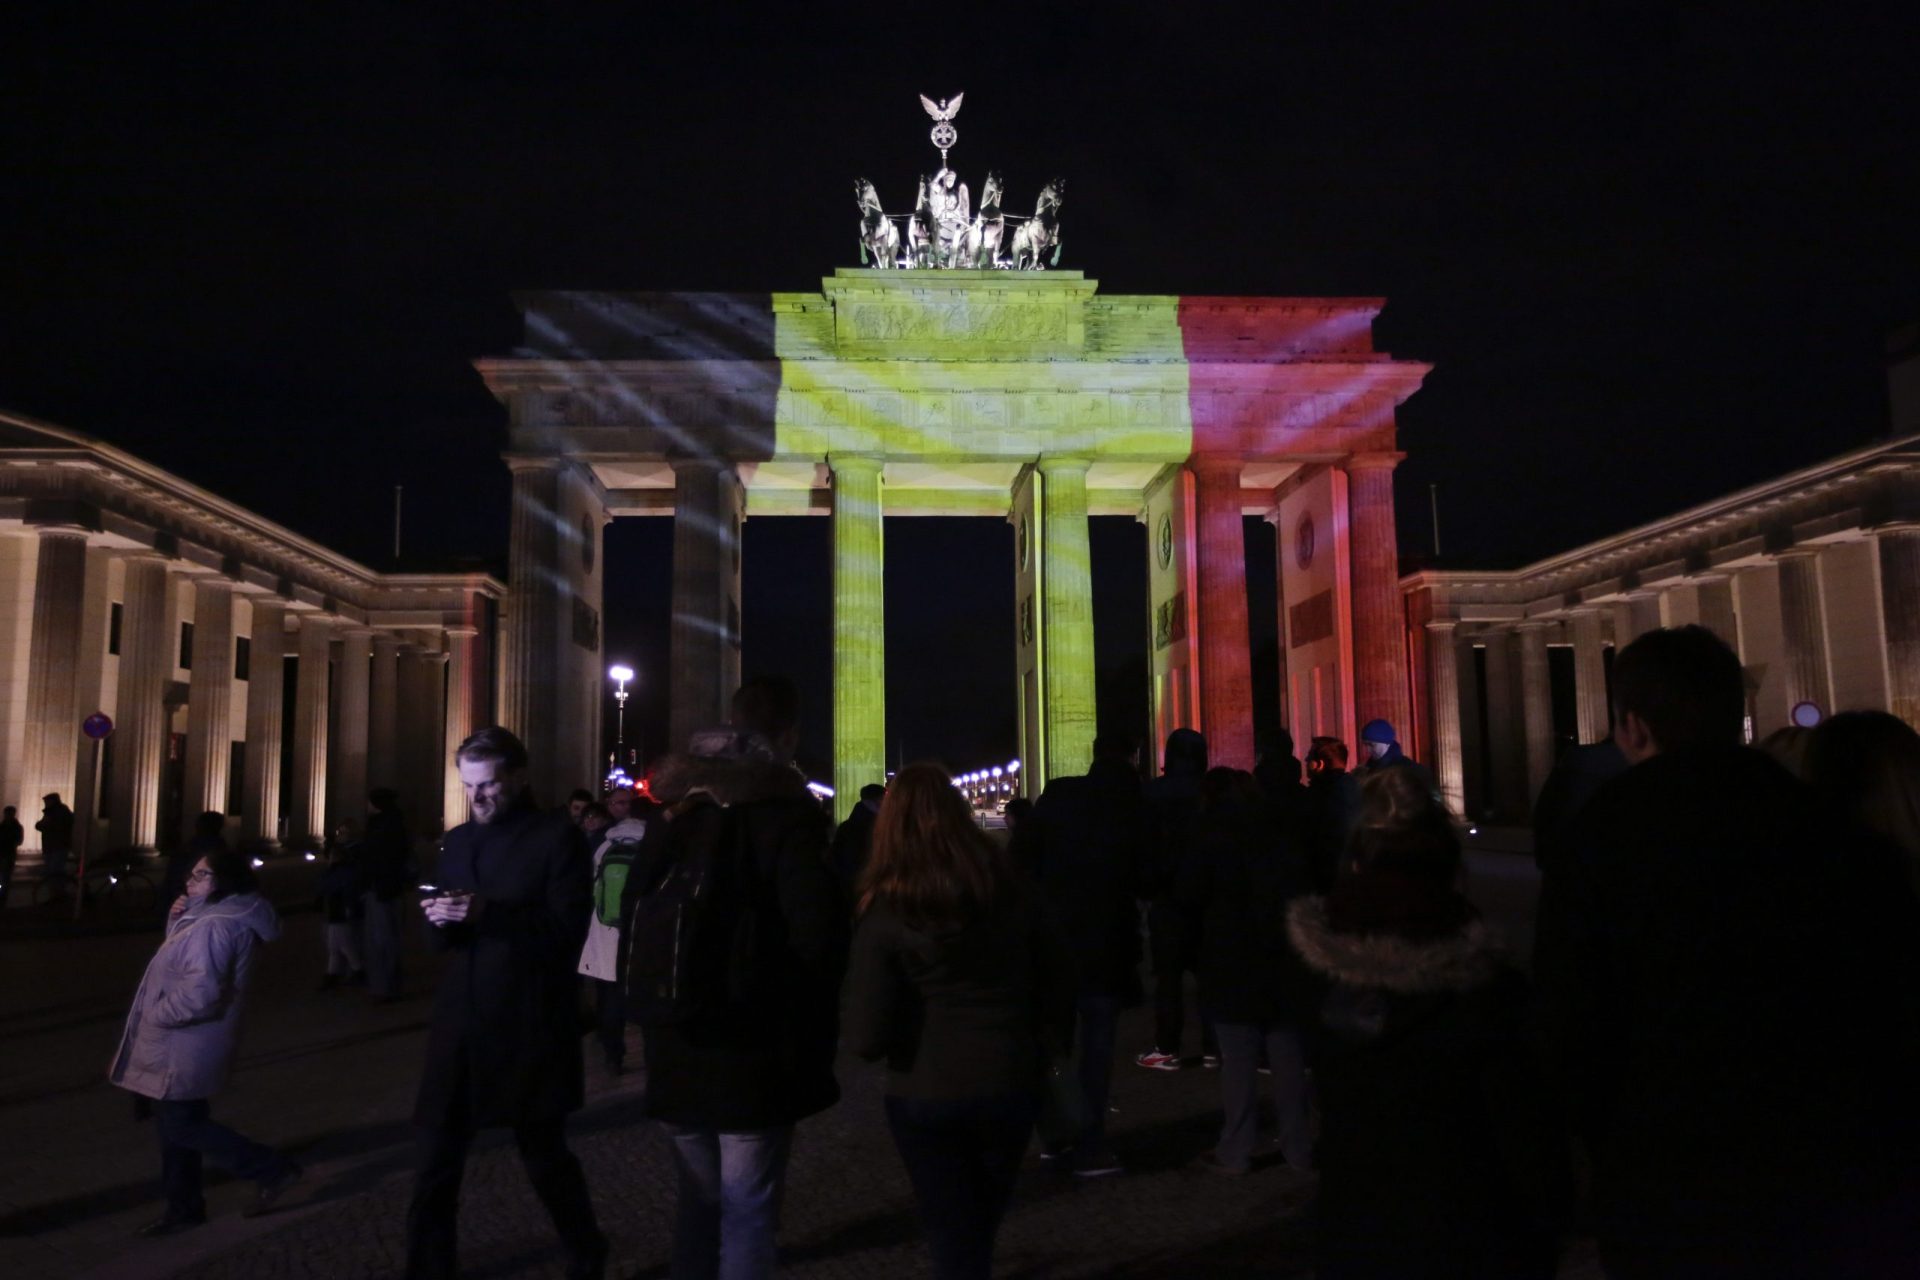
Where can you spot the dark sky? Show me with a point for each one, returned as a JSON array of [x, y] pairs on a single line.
[[1653, 254]]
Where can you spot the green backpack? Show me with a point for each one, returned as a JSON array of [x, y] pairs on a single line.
[[610, 879]]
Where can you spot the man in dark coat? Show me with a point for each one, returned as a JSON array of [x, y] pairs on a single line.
[[384, 859], [1727, 973], [730, 1082], [1328, 811], [1380, 749], [56, 834], [504, 1046], [1085, 845], [1575, 780], [854, 838], [12, 835], [1173, 800]]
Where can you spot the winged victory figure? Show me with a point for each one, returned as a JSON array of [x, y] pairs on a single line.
[[943, 111]]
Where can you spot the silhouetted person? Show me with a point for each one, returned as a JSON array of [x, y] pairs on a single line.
[[56, 834], [503, 1049], [1575, 780], [1728, 969], [386, 861], [577, 804], [854, 837], [1328, 811], [1441, 1152], [1380, 749], [1867, 764], [12, 836], [1278, 771], [1085, 844]]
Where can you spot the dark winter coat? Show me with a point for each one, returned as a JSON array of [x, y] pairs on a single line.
[[1327, 815], [1237, 884], [1173, 804], [768, 1061], [972, 1012], [1729, 976], [1085, 845], [340, 887], [1440, 1151], [56, 828], [1575, 780], [385, 855], [852, 841], [505, 1019]]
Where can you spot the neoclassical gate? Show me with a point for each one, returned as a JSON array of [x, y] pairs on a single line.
[[1018, 395]]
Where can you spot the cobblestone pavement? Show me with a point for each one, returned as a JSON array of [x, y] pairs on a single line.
[[330, 1077]]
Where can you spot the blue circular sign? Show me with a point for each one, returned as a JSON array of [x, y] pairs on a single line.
[[97, 726]]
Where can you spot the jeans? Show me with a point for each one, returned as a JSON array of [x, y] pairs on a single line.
[[554, 1171], [188, 1133], [728, 1210], [1098, 1016], [962, 1156], [1240, 1045], [1170, 946], [610, 1004], [343, 948], [381, 939]]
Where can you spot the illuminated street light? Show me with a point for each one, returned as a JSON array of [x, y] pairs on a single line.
[[620, 674]]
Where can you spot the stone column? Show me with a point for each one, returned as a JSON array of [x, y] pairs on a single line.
[[266, 705], [1506, 743], [1443, 691], [1803, 631], [421, 778], [347, 769], [705, 642], [1717, 612], [1066, 629], [383, 713], [859, 630], [1536, 704], [1900, 610], [1590, 678], [462, 698], [536, 596], [307, 807], [53, 676], [1226, 677], [140, 728], [209, 703], [1280, 634], [1379, 629]]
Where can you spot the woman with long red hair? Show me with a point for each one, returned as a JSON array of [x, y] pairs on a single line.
[[961, 985]]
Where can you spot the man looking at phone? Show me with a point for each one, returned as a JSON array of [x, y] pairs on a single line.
[[511, 903]]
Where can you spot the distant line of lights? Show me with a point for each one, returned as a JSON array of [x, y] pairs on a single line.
[[996, 780]]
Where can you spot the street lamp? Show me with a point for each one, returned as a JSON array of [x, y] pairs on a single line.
[[620, 675]]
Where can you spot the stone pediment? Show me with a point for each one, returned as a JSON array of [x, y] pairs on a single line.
[[958, 315]]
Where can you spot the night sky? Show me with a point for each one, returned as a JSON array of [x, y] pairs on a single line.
[[1653, 255]]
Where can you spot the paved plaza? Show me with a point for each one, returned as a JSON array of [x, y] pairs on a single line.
[[330, 1076]]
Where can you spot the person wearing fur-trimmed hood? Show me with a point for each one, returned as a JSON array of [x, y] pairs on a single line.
[[1440, 1150]]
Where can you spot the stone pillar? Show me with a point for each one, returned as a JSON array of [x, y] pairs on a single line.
[[1590, 678], [1066, 629], [383, 713], [463, 697], [1803, 631], [1716, 610], [209, 703], [421, 781], [347, 769], [1226, 677], [1379, 630], [53, 677], [1280, 633], [266, 705], [859, 631], [537, 593], [1443, 691], [705, 643], [140, 722], [1536, 704], [1900, 610], [1507, 744], [307, 806]]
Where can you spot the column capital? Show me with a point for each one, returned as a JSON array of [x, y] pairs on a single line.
[[1050, 463], [1797, 553], [462, 633], [855, 463], [518, 462], [1214, 465], [1442, 624], [1381, 460]]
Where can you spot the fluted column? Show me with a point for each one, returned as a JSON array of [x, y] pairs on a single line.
[[1443, 690], [1590, 678], [209, 703], [536, 596], [1803, 631], [1900, 612], [1717, 611], [705, 644], [1226, 677], [347, 767], [1066, 630], [1536, 707], [383, 713], [1507, 744], [140, 721], [1379, 634], [307, 808], [53, 670], [266, 707], [859, 630], [422, 784], [462, 699]]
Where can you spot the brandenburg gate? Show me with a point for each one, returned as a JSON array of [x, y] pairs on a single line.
[[948, 379]]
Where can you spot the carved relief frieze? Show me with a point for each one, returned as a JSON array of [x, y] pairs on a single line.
[[951, 320]]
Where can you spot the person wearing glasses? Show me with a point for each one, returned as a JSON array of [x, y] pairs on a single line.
[[180, 1036]]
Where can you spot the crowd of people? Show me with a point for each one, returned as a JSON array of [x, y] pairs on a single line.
[[1709, 1067]]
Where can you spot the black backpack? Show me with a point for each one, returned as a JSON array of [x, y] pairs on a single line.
[[691, 941]]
